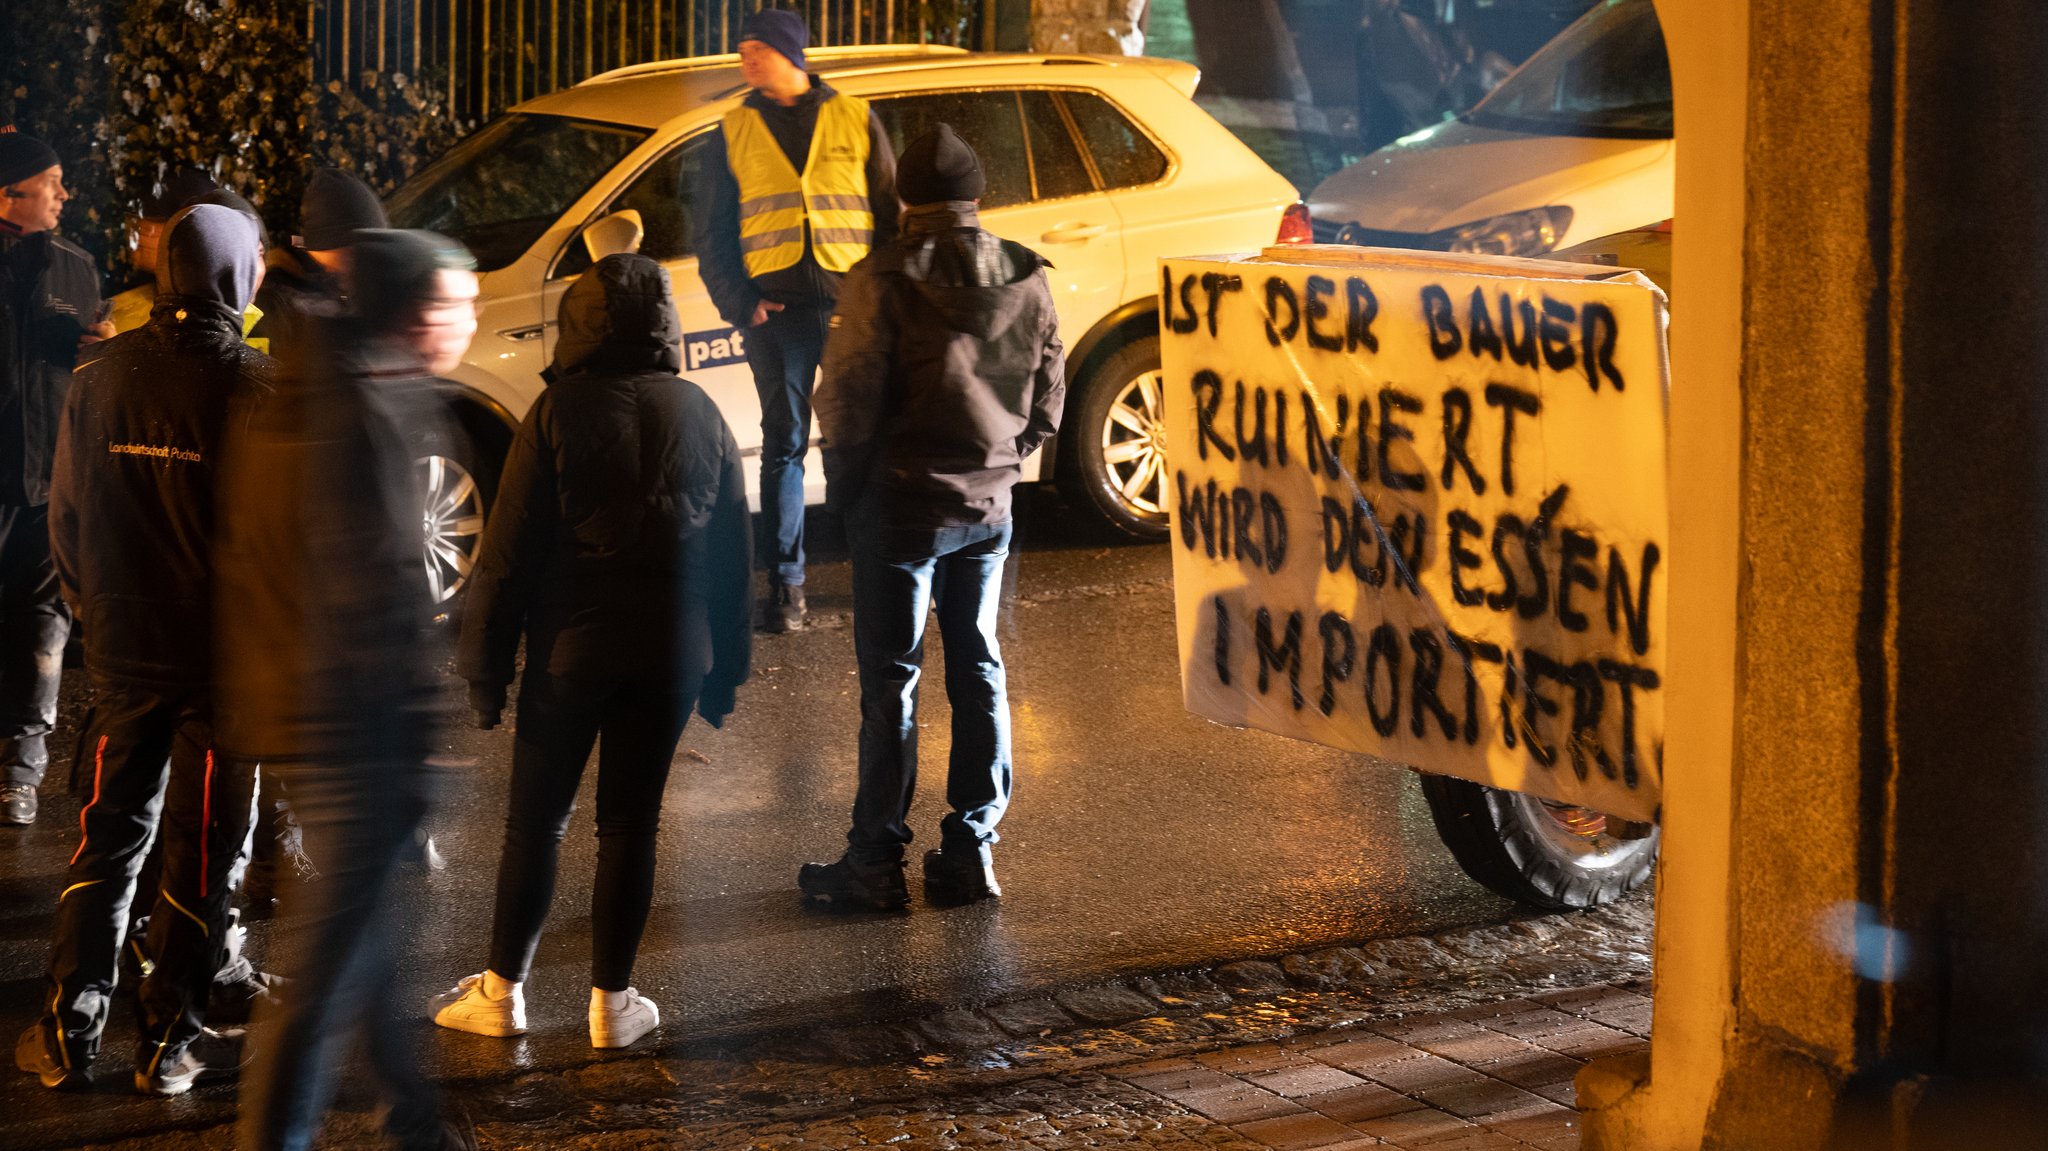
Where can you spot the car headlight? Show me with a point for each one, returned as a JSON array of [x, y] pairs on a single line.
[[1529, 233]]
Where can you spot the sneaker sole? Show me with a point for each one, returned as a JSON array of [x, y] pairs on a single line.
[[614, 1042], [144, 1085], [474, 1027]]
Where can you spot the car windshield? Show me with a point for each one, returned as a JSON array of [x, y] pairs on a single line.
[[1606, 75], [501, 188]]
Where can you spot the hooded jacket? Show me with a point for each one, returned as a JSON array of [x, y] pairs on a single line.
[[132, 494], [619, 543], [943, 371], [720, 261], [49, 293], [323, 614]]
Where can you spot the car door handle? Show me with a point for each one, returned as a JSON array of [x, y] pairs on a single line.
[[1073, 232], [520, 335]]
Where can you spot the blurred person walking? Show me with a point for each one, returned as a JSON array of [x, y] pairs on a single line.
[[314, 265], [943, 372], [50, 307], [131, 524], [620, 548], [326, 668], [798, 183]]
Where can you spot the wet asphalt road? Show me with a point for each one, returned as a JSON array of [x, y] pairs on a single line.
[[1140, 839]]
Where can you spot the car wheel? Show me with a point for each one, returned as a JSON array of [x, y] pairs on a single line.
[[1552, 856], [455, 496], [1114, 432]]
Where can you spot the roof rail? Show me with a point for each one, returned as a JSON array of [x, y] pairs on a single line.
[[728, 59]]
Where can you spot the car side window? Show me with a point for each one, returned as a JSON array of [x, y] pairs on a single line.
[[1125, 157], [991, 122], [1056, 163], [661, 195]]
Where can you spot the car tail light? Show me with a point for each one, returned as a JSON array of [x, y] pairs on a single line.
[[1294, 225]]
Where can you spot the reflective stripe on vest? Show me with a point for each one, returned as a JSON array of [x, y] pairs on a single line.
[[830, 196]]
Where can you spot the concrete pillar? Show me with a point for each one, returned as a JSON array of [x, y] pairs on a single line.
[[1858, 764], [1115, 27]]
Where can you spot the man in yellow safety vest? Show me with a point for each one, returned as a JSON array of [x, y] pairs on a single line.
[[800, 182]]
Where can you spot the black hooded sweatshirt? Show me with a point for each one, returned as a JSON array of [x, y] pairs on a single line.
[[620, 542], [132, 493], [944, 369]]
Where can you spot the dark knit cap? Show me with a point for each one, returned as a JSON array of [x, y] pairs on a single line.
[[181, 189], [939, 166], [336, 205], [781, 30], [23, 156], [393, 272]]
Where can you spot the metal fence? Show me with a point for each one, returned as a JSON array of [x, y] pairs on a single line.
[[491, 54]]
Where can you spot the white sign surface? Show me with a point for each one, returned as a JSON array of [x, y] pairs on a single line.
[[1419, 511]]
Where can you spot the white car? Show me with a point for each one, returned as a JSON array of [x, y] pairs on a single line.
[[1576, 144], [1103, 164]]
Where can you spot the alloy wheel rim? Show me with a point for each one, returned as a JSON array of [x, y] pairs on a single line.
[[1134, 445], [452, 525]]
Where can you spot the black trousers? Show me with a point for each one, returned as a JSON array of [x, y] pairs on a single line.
[[560, 719], [33, 625], [153, 773], [358, 818]]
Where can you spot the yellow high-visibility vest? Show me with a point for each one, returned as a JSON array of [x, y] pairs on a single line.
[[830, 195]]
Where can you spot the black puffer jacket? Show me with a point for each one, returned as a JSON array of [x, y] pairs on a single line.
[[322, 610], [132, 497], [943, 371], [619, 543], [49, 294]]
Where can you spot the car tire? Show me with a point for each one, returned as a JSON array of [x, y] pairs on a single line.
[[1554, 857], [456, 486], [1113, 442]]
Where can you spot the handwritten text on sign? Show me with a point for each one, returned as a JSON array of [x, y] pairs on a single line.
[[1419, 511]]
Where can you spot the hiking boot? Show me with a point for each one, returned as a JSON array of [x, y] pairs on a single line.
[[844, 884], [782, 609], [211, 1057], [468, 1007], [959, 877], [18, 800], [617, 1018], [63, 1066]]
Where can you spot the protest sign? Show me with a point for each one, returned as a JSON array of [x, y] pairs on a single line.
[[1419, 511]]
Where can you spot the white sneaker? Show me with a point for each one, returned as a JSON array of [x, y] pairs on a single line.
[[465, 1007], [617, 1018]]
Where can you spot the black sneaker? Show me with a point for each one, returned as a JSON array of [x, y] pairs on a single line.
[[60, 1065], [782, 609], [843, 884], [211, 1056], [18, 800], [958, 877], [237, 989]]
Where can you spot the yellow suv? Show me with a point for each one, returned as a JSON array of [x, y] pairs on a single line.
[[1103, 164]]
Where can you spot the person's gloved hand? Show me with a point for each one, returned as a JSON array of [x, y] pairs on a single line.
[[488, 701], [715, 702]]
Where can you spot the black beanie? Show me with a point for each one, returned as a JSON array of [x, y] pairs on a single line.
[[781, 30], [336, 205], [939, 166], [392, 272], [181, 189], [23, 156]]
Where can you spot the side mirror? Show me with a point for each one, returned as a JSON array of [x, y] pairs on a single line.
[[621, 231]]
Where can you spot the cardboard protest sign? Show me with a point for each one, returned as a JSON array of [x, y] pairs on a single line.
[[1419, 511]]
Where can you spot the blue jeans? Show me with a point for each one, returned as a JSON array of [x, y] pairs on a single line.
[[784, 353], [897, 573]]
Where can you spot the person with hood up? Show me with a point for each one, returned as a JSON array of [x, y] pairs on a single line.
[[131, 525], [797, 184], [49, 310], [943, 372], [619, 547], [326, 668]]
